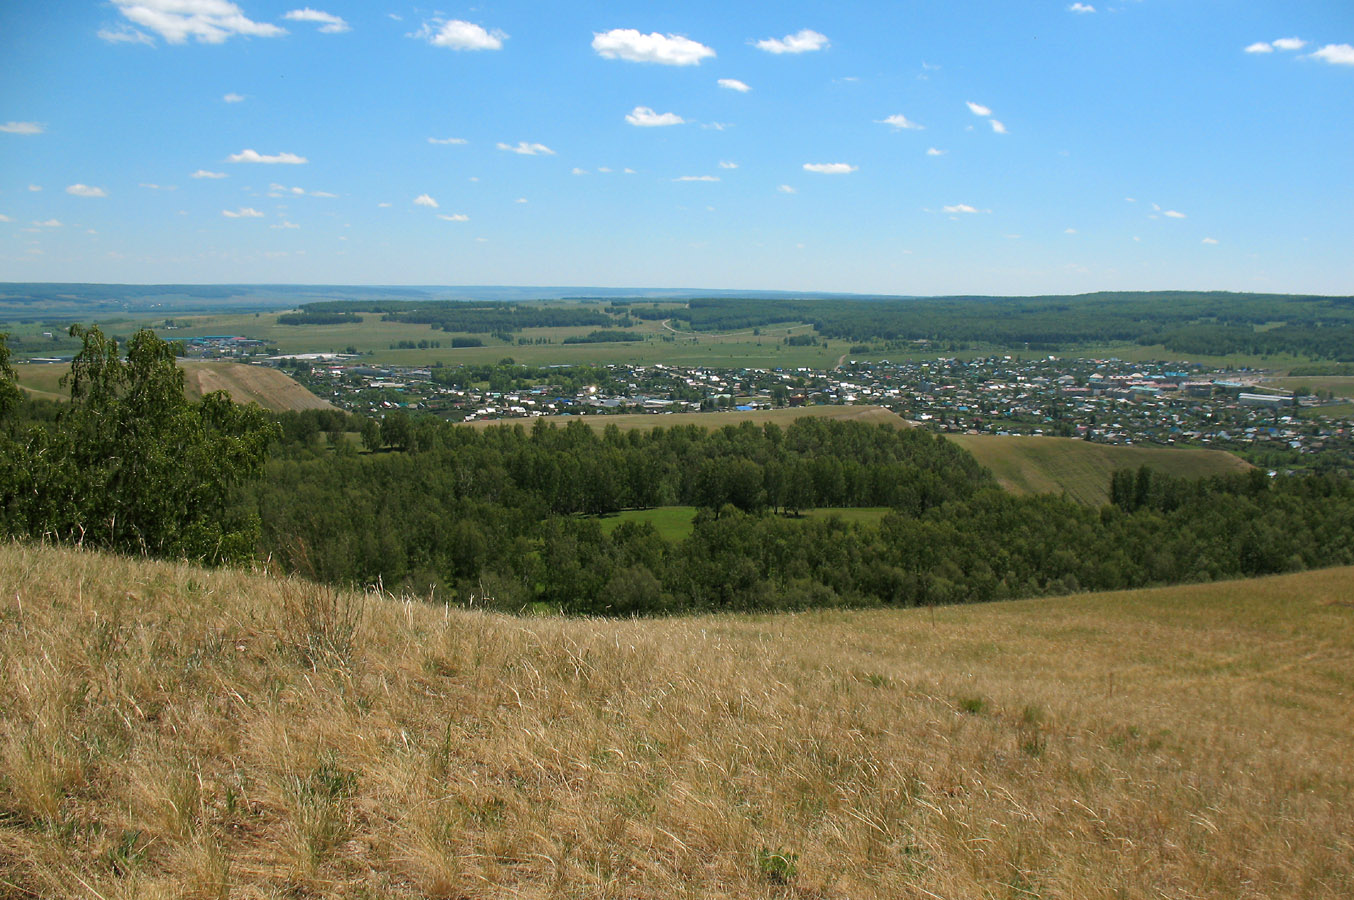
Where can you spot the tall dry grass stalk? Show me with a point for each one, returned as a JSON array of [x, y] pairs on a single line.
[[172, 732]]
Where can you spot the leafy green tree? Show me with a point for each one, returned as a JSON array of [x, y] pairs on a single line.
[[131, 465]]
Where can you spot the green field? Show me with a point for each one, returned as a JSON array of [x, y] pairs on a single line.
[[1080, 469], [1338, 385]]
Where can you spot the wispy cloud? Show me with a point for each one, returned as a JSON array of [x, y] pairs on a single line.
[[1209, 240], [433, 140], [125, 34], [786, 189], [1291, 43], [977, 108], [157, 187], [203, 173], [697, 178], [233, 98], [425, 200], [1173, 214], [1336, 54], [664, 49], [644, 117], [50, 223], [578, 171], [727, 164], [1260, 47], [830, 168], [206, 21], [997, 126], [328, 22], [959, 208], [454, 217], [932, 151], [84, 190], [900, 122], [1081, 8], [285, 225], [244, 212], [804, 41], [734, 84], [526, 149], [22, 128], [458, 34], [253, 156]]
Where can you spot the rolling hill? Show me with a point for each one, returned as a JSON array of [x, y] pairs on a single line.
[[271, 389], [1049, 465], [172, 731]]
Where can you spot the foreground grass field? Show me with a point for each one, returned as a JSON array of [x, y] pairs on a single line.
[[172, 732], [270, 388], [1080, 469]]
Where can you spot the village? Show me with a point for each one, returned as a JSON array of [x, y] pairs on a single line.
[[1102, 400]]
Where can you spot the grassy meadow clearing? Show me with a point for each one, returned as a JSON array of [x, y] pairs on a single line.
[[169, 731]]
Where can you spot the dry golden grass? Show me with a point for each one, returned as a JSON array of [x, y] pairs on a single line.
[[172, 732], [270, 388]]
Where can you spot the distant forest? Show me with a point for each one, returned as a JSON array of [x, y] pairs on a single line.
[[1184, 322]]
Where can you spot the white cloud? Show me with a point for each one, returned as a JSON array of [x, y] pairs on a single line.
[[35, 188], [425, 200], [977, 108], [664, 49], [1212, 241], [605, 170], [644, 117], [203, 173], [1130, 199], [22, 128], [1336, 54], [454, 217], [801, 42], [520, 200], [460, 35], [697, 178], [158, 187], [1069, 231], [959, 208], [734, 84], [1081, 8], [1172, 214], [727, 164], [1289, 44], [997, 126], [577, 171], [432, 140], [50, 223], [830, 168], [233, 98], [629, 171], [717, 126], [1260, 47], [125, 34], [329, 23], [900, 122], [526, 149], [932, 151], [323, 194], [207, 21], [244, 212], [253, 156], [84, 190], [786, 189], [285, 225]]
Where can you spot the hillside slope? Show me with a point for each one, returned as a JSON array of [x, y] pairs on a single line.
[[271, 389], [168, 731], [1028, 464]]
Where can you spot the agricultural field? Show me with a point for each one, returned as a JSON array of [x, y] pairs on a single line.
[[1337, 385], [271, 389], [168, 730], [1029, 464]]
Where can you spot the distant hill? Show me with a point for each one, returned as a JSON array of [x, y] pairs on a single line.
[[171, 731], [271, 389], [1029, 464]]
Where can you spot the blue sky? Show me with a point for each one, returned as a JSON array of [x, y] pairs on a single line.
[[893, 147]]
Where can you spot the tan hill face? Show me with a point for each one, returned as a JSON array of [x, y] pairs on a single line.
[[168, 730], [271, 389]]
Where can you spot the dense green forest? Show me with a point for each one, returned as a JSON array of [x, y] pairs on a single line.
[[509, 517]]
